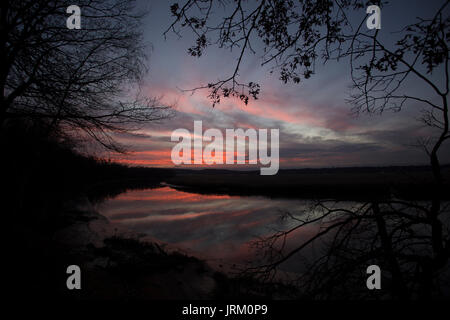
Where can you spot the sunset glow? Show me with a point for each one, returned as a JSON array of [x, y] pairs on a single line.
[[317, 128]]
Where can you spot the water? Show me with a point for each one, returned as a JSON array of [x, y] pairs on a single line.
[[215, 227]]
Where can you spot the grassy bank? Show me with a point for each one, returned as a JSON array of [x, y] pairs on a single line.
[[341, 183]]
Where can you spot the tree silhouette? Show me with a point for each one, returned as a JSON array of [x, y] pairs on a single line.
[[74, 80], [410, 240]]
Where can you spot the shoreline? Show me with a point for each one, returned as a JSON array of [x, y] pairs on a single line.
[[108, 254], [91, 231]]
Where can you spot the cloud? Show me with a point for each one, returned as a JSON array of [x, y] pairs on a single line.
[[316, 128]]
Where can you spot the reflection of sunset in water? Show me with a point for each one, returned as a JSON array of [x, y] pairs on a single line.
[[167, 194], [217, 227]]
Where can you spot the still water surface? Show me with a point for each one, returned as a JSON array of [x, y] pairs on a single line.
[[214, 227]]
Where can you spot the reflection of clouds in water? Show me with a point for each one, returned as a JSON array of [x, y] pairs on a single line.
[[218, 226]]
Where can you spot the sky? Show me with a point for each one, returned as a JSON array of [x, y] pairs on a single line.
[[315, 123]]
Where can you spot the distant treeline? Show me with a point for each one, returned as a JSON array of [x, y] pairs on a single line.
[[373, 169], [368, 183]]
